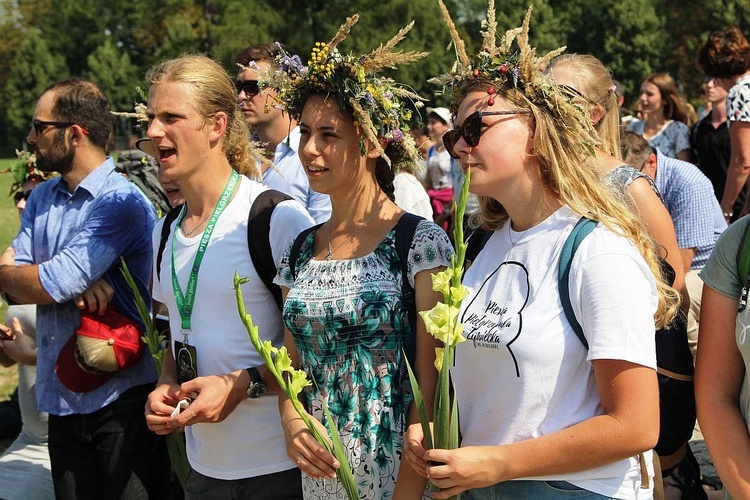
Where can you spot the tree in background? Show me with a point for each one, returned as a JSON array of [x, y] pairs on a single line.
[[115, 42]]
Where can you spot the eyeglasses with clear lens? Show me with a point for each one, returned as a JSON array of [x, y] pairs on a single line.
[[471, 129], [250, 87]]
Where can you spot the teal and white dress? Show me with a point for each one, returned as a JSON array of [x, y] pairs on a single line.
[[350, 326]]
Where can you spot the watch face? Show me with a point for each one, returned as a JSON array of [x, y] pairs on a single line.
[[256, 390]]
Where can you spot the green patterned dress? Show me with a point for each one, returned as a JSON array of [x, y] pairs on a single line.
[[349, 326]]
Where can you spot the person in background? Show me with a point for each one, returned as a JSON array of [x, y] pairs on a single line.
[[712, 145], [590, 84], [439, 167], [350, 331], [409, 193], [689, 198], [74, 231], [664, 125], [722, 368], [25, 470], [422, 139], [279, 135], [725, 57]]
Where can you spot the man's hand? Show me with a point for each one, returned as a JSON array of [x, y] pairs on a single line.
[[16, 345], [159, 406], [214, 397], [96, 298]]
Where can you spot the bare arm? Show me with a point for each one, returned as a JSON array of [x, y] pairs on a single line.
[[309, 455], [739, 164], [661, 229], [719, 373], [23, 285], [20, 349], [629, 425], [409, 483]]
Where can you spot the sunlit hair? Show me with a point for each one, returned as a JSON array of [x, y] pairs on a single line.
[[594, 81], [212, 92], [725, 54], [572, 173], [671, 101]]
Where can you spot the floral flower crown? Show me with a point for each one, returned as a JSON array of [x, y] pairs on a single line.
[[502, 66], [378, 104], [23, 169]]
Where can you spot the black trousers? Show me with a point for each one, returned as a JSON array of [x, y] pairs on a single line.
[[109, 454]]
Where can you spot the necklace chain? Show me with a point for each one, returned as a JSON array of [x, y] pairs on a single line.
[[330, 253], [510, 235], [188, 233]]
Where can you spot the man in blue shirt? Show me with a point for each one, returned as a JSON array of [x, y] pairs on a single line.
[[689, 197], [74, 230], [278, 132]]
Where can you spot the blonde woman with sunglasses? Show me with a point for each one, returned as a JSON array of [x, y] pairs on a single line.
[[541, 414]]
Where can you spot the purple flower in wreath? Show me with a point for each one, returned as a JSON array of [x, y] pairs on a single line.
[[291, 64]]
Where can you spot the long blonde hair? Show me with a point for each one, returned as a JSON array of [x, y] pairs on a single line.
[[571, 172], [594, 81], [213, 92]]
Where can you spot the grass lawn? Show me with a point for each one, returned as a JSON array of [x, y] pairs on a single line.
[[9, 224]]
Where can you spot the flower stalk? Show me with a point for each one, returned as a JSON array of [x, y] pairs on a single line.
[[156, 343], [292, 382], [442, 323]]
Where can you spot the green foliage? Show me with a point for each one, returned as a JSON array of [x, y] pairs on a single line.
[[115, 74], [115, 42], [29, 81]]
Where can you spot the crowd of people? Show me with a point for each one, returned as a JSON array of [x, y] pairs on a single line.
[[332, 192]]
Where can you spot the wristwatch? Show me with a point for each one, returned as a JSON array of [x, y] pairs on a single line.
[[257, 387]]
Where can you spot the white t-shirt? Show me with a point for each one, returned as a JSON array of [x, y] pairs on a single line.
[[523, 372], [411, 196], [439, 168], [250, 442]]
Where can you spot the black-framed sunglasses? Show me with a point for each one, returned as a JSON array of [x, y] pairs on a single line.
[[18, 196], [39, 125], [471, 129], [250, 87]]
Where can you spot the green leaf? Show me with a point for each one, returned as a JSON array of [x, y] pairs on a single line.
[[424, 420], [344, 472]]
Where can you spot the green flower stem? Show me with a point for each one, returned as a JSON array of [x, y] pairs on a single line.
[[292, 382], [155, 343]]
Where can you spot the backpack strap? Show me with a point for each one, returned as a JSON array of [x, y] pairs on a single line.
[[165, 230], [582, 229], [258, 243], [297, 246], [405, 229]]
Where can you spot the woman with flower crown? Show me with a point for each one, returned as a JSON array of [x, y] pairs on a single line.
[[346, 312], [543, 412]]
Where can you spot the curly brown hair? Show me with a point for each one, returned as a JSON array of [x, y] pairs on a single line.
[[726, 53]]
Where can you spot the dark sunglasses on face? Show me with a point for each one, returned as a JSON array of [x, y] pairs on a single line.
[[18, 196], [40, 125], [471, 129], [250, 87]]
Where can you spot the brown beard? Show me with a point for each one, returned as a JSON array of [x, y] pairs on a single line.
[[58, 159]]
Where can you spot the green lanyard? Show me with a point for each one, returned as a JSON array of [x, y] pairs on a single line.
[[185, 302]]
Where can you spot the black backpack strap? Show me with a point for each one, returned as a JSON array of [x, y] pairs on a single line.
[[258, 242], [582, 229], [297, 246], [165, 230], [405, 229]]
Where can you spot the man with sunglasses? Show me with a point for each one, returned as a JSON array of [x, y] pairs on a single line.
[[74, 230], [278, 132]]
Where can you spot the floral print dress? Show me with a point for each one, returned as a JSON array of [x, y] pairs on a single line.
[[350, 326]]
